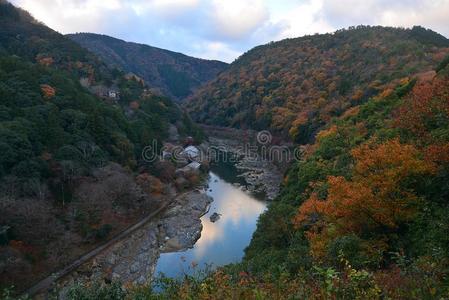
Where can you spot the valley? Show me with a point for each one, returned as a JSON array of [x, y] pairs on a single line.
[[311, 167], [180, 237]]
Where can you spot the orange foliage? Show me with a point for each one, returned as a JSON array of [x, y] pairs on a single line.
[[358, 94], [439, 56], [392, 159], [353, 111], [307, 150], [438, 153], [301, 119], [404, 81], [385, 93], [326, 132], [150, 184], [47, 91], [374, 198], [45, 61], [282, 117], [286, 78], [426, 76], [428, 101]]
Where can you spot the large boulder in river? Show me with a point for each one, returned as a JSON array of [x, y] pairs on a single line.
[[215, 217]]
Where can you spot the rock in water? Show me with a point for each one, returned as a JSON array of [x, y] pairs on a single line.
[[214, 217]]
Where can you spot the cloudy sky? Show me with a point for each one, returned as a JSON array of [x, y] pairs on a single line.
[[224, 29]]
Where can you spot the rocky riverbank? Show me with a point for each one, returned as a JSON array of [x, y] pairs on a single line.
[[261, 175], [133, 259], [181, 226]]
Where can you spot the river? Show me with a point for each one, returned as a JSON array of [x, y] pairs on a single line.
[[224, 241]]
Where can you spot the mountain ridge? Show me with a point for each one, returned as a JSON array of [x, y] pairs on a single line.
[[295, 86], [175, 74]]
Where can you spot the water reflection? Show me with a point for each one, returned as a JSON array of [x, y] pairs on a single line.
[[221, 242]]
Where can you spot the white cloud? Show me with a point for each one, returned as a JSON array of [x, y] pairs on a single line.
[[215, 50], [237, 19], [433, 14], [406, 13], [175, 3], [304, 19], [164, 8], [223, 29], [71, 16]]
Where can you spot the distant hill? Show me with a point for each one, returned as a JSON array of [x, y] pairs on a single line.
[[23, 36], [295, 86], [174, 74]]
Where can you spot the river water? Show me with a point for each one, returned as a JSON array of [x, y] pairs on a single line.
[[224, 241]]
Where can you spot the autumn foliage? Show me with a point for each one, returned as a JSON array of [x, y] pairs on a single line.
[[383, 194], [45, 61], [296, 86], [150, 184], [378, 196], [47, 91], [426, 110]]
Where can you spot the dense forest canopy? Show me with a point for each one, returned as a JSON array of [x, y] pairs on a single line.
[[372, 191], [68, 153], [41, 91], [296, 86]]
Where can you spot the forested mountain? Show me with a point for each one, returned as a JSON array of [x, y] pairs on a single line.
[[362, 212], [174, 74], [68, 156], [295, 86], [362, 215], [370, 194]]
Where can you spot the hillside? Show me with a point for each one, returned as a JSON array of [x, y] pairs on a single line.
[[68, 157], [174, 74], [369, 199], [362, 214], [295, 86], [22, 35]]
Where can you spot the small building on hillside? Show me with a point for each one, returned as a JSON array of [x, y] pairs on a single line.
[[108, 93], [113, 94]]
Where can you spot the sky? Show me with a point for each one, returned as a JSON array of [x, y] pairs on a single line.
[[225, 29]]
